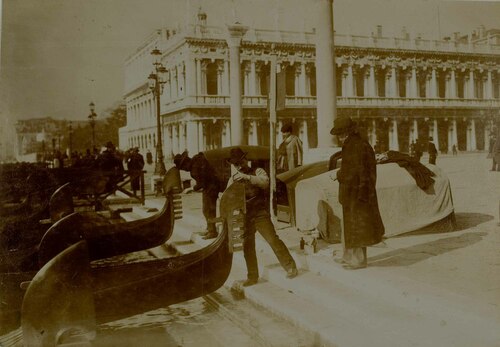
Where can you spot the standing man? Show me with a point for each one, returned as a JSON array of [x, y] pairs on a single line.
[[206, 180], [432, 151], [135, 162], [357, 177], [149, 157], [289, 151], [257, 217]]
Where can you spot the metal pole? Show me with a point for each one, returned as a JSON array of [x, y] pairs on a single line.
[[272, 135], [160, 165]]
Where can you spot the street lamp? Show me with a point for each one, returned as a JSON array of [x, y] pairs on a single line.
[[92, 117], [156, 85]]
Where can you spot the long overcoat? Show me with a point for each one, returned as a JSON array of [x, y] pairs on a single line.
[[357, 178]]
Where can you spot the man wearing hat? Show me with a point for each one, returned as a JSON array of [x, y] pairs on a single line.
[[432, 151], [257, 217], [204, 175], [135, 162], [112, 166], [357, 177], [289, 151]]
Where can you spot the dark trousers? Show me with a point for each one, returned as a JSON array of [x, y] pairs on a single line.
[[260, 221], [432, 159], [209, 200]]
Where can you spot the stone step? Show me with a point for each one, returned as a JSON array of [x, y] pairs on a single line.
[[415, 313]]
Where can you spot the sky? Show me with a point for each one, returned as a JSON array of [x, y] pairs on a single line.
[[58, 55]]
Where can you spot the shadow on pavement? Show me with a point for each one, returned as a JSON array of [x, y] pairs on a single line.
[[470, 220], [414, 254]]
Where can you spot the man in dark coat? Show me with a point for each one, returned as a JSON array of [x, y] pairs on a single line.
[[206, 180], [111, 165], [357, 178], [432, 151], [135, 162]]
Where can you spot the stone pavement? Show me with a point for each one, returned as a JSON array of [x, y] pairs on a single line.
[[427, 289]]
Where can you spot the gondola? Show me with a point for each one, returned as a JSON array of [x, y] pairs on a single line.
[[83, 294], [104, 239], [19, 237]]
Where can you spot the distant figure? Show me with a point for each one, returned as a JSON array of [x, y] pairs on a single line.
[[496, 155], [111, 165], [454, 149], [135, 162], [432, 151], [149, 157], [377, 148], [289, 151], [418, 150]]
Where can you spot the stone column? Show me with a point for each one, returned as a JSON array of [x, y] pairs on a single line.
[[435, 133], [453, 85], [489, 87], [473, 145], [236, 32], [302, 80], [413, 131], [253, 136], [279, 135], [373, 81], [182, 136], [350, 81], [434, 89], [226, 78], [168, 140], [227, 133], [201, 137], [394, 134], [472, 94], [373, 133], [175, 138], [190, 77], [253, 79], [192, 135], [413, 83], [304, 136], [454, 133], [198, 77], [325, 72], [394, 84]]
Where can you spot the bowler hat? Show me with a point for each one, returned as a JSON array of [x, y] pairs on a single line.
[[236, 155], [110, 144], [342, 125], [287, 128], [181, 159]]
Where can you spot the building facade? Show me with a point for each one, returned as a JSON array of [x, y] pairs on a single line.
[[397, 88]]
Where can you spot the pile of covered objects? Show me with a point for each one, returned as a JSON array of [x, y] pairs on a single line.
[[410, 195]]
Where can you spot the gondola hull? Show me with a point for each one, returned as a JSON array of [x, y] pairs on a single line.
[[125, 289]]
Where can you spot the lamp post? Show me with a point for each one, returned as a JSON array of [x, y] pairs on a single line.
[[92, 117], [156, 86]]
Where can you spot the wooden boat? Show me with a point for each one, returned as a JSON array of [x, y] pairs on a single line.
[[82, 294], [104, 239], [20, 237]]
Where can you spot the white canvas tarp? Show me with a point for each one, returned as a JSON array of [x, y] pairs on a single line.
[[403, 205]]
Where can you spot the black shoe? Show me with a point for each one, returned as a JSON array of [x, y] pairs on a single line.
[[293, 272], [210, 235], [249, 282]]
